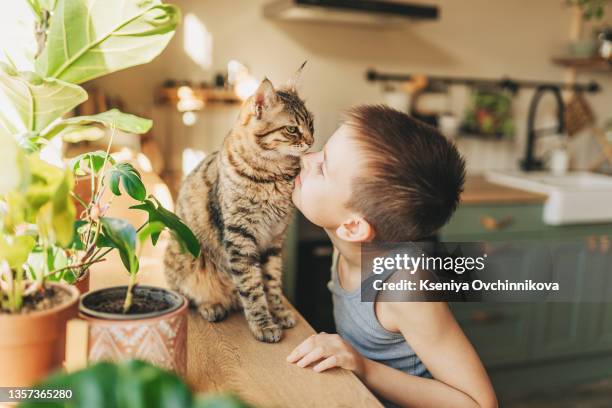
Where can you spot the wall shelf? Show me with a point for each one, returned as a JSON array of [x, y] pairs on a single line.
[[208, 97], [582, 63]]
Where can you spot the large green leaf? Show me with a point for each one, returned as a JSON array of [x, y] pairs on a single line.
[[90, 38], [30, 103], [181, 232], [127, 384], [55, 219], [113, 118], [14, 169], [49, 202], [122, 235], [149, 230], [130, 180], [79, 133], [45, 180], [16, 252], [64, 211], [86, 163]]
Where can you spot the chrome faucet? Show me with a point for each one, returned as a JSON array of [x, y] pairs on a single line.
[[529, 162]]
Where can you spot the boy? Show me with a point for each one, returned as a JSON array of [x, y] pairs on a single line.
[[384, 176]]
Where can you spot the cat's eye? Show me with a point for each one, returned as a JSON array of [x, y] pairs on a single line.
[[291, 129]]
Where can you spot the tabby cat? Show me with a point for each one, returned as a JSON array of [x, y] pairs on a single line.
[[238, 203]]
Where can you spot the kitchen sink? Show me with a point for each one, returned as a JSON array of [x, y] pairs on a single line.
[[573, 198]]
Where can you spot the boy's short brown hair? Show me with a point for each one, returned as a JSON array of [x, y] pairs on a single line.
[[414, 175]]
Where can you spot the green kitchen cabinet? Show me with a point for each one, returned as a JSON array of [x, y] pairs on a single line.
[[531, 346], [562, 326], [599, 315], [511, 324]]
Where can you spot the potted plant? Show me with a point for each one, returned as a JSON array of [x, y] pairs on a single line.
[[587, 11], [44, 243], [133, 321], [128, 384], [36, 214], [489, 114]]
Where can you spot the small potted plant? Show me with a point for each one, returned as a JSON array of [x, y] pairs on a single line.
[[489, 114], [133, 321], [588, 11], [44, 243]]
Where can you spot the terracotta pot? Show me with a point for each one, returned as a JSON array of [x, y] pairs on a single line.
[[159, 337], [83, 283], [32, 345], [82, 188]]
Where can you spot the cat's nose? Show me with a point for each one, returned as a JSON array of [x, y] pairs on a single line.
[[309, 139]]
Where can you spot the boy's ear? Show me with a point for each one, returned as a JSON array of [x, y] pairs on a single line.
[[355, 229], [263, 98], [295, 81]]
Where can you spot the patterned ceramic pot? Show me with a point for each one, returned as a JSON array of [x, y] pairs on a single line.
[[157, 337]]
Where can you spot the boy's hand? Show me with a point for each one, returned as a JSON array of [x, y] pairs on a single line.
[[330, 350]]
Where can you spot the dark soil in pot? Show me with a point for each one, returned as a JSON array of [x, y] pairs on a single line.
[[147, 301], [43, 299]]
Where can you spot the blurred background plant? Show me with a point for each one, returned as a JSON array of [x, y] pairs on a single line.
[[591, 9], [489, 114], [127, 385]]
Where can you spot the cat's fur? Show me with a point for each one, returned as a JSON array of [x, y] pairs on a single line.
[[238, 203]]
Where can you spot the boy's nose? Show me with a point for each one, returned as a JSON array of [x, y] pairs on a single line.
[[305, 160]]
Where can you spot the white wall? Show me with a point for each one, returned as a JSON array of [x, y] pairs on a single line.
[[488, 38]]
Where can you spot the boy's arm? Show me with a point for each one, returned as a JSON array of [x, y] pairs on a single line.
[[460, 379], [431, 330]]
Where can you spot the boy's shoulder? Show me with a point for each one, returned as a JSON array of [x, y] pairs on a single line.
[[425, 317]]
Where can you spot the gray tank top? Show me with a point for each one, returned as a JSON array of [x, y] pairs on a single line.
[[357, 323]]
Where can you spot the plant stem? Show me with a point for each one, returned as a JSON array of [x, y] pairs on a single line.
[[108, 148], [92, 199], [79, 199], [81, 265], [96, 234], [128, 297]]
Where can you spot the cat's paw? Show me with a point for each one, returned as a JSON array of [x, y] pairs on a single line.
[[213, 312], [270, 333], [285, 318]]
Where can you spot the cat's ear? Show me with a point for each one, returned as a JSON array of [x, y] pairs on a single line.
[[263, 98], [294, 83]]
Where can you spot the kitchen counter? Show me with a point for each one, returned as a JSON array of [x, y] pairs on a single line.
[[480, 191], [224, 356]]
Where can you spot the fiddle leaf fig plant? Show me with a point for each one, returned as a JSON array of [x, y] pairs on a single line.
[[87, 39], [30, 102], [42, 237]]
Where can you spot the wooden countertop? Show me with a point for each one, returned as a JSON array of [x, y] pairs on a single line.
[[224, 356], [480, 191], [230, 359]]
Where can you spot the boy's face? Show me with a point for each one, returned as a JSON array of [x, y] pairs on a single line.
[[324, 185]]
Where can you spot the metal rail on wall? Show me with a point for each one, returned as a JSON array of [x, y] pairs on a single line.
[[508, 83]]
